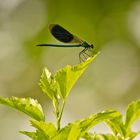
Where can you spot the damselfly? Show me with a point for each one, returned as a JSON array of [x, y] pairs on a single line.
[[65, 36]]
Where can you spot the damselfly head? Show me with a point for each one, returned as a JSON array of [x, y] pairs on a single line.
[[87, 45]]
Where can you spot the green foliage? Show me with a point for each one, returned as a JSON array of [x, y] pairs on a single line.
[[29, 106], [58, 87], [61, 83], [90, 136]]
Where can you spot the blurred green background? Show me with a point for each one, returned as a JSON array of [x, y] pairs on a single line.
[[112, 81]]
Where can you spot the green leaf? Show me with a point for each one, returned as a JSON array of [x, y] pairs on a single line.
[[63, 134], [94, 136], [132, 113], [48, 130], [105, 137], [69, 132], [48, 84], [91, 136], [74, 133], [104, 116], [30, 134], [34, 135], [132, 135], [67, 76], [29, 106], [117, 126], [86, 124], [50, 87]]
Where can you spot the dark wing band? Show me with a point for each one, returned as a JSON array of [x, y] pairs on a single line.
[[60, 33]]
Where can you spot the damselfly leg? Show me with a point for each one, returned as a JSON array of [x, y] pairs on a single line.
[[83, 55]]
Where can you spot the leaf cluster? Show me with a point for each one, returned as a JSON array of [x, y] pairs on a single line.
[[57, 87]]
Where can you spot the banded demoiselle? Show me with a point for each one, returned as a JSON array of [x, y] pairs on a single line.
[[65, 36]]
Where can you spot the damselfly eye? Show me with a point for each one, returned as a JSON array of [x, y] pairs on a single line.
[[92, 46]]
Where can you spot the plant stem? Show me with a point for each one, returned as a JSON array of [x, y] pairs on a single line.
[[60, 115]]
